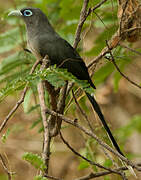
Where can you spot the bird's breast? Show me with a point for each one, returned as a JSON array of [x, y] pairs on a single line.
[[32, 47]]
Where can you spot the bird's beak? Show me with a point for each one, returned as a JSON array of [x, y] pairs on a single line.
[[15, 13]]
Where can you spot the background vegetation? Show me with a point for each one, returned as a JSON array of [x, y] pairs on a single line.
[[119, 99]]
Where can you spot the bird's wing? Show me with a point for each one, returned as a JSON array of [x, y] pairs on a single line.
[[60, 52]]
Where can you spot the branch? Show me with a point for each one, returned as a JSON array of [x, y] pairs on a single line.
[[61, 107], [82, 112], [113, 43], [20, 101], [91, 134], [99, 174], [126, 77], [89, 161], [122, 16], [53, 102], [47, 137], [52, 177], [95, 7], [3, 163], [83, 16], [130, 49]]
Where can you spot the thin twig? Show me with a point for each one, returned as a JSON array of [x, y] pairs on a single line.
[[3, 163], [20, 101], [105, 26], [95, 7], [91, 134], [52, 177], [82, 112], [122, 174], [83, 17], [123, 75], [130, 49], [89, 161], [113, 43], [99, 174]]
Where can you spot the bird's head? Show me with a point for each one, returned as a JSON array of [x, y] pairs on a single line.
[[30, 15]]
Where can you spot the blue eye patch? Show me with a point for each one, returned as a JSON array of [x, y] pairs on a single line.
[[27, 12]]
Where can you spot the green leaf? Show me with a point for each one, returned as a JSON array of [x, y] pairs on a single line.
[[5, 136], [11, 88], [10, 63], [35, 160], [35, 123], [58, 77], [27, 100], [83, 165], [33, 108]]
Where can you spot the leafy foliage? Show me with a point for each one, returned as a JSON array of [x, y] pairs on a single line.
[[16, 64], [58, 76], [35, 160], [5, 136], [55, 76]]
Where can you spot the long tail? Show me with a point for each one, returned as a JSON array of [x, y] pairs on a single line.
[[99, 113]]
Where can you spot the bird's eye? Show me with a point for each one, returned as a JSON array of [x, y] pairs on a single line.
[[27, 12]]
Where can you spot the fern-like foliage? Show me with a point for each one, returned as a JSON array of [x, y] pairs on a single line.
[[35, 160], [58, 76]]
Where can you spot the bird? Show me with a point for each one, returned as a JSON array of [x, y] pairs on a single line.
[[43, 40]]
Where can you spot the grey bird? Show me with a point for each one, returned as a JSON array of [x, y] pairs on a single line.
[[43, 40]]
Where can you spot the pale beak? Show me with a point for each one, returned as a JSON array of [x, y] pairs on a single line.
[[15, 13]]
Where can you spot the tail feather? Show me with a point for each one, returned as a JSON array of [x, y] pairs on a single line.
[[99, 113]]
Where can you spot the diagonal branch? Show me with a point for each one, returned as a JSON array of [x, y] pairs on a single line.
[[20, 101], [52, 177], [9, 174], [95, 7], [99, 174], [123, 75], [82, 112], [91, 134], [89, 161], [83, 16]]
